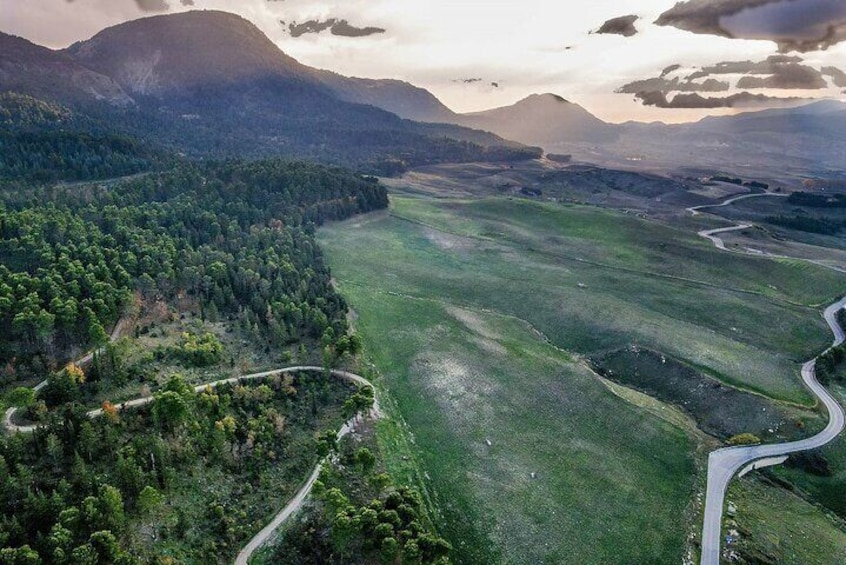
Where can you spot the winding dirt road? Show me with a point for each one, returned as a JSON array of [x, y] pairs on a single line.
[[724, 463], [295, 503]]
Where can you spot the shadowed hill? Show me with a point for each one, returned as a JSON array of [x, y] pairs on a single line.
[[210, 83]]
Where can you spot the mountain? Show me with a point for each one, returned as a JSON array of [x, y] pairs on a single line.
[[399, 97], [29, 68], [825, 118], [180, 53], [542, 119], [784, 142], [209, 83]]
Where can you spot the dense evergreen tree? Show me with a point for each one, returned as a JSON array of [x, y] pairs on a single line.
[[237, 236]]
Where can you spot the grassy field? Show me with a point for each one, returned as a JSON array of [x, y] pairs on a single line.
[[825, 484], [479, 313], [593, 280], [776, 527], [463, 378]]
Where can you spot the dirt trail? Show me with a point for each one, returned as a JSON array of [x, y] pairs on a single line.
[[296, 503]]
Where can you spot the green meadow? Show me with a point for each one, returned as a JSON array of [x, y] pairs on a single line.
[[480, 315]]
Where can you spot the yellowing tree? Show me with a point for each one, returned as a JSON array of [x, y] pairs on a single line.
[[76, 374]]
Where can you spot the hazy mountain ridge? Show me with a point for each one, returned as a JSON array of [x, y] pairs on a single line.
[[543, 118], [399, 97], [211, 84], [36, 70], [803, 138]]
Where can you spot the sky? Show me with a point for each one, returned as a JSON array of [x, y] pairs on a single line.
[[479, 54]]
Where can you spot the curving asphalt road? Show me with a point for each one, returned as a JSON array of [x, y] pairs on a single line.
[[694, 210], [717, 241], [295, 503], [724, 463]]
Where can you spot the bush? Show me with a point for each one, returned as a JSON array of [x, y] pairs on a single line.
[[200, 350], [744, 439]]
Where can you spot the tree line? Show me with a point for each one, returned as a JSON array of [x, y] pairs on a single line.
[[239, 237]]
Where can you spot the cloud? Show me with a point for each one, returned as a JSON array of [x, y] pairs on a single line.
[[153, 5], [480, 83], [157, 5], [697, 101], [670, 69], [777, 71], [837, 75], [795, 25], [335, 26], [343, 28], [787, 77], [623, 25], [662, 84]]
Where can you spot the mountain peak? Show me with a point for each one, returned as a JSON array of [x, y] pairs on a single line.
[[542, 119], [179, 52], [546, 97]]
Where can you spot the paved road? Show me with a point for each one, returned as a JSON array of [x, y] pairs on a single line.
[[724, 463], [717, 241], [694, 210]]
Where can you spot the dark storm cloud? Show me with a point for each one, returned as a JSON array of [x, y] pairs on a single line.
[[697, 101], [153, 5], [311, 26], [344, 29], [623, 25], [795, 25], [335, 26]]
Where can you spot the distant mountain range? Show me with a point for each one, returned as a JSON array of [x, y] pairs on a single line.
[[806, 139], [210, 83], [801, 140]]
